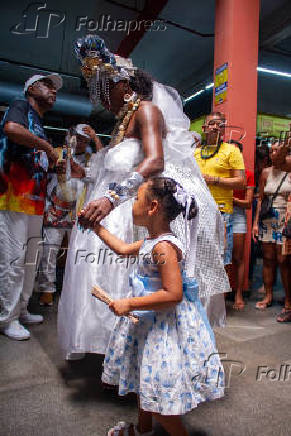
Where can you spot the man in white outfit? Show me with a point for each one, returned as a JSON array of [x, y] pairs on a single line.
[[25, 155], [60, 215]]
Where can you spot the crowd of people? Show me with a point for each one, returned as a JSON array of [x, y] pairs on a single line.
[[174, 219]]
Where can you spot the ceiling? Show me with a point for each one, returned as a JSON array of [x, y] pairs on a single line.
[[39, 37]]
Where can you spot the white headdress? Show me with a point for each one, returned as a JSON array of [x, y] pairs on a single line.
[[98, 65]]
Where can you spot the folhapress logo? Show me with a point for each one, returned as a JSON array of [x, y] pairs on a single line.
[[37, 20]]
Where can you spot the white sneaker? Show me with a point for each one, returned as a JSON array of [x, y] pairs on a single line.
[[29, 318], [14, 330]]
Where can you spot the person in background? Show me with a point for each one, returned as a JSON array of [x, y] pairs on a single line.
[[25, 154], [282, 159], [222, 167], [281, 153], [60, 214], [242, 200], [274, 185], [196, 140], [262, 161]]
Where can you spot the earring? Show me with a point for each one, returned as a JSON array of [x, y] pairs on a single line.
[[126, 98]]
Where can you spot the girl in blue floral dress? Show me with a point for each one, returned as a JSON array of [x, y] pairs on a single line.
[[169, 358]]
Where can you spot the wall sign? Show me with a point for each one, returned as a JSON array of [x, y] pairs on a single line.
[[221, 83]]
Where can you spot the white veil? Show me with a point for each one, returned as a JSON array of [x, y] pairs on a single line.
[[204, 259]]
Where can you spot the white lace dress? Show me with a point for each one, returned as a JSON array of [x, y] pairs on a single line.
[[169, 357], [84, 323]]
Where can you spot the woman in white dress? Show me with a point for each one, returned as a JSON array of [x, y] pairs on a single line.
[[151, 137]]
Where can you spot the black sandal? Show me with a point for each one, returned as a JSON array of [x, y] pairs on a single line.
[[284, 315]]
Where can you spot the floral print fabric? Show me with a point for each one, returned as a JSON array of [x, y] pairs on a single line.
[[169, 358]]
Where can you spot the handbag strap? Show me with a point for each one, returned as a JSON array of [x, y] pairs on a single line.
[[278, 188]]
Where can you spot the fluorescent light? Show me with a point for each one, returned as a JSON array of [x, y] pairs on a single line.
[[65, 130], [276, 73], [259, 69], [194, 95], [210, 85], [55, 128]]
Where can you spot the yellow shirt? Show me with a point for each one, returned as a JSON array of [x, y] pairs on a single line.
[[220, 165]]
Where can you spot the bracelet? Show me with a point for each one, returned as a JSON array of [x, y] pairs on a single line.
[[112, 196], [120, 192], [216, 180]]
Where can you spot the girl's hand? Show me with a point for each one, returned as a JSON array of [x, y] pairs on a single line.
[[120, 307], [255, 232]]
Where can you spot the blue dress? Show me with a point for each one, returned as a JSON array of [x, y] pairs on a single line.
[[169, 358]]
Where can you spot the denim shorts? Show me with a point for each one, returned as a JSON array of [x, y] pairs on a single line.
[[228, 222], [239, 220]]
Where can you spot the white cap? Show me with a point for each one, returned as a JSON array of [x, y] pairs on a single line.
[[80, 131], [55, 78]]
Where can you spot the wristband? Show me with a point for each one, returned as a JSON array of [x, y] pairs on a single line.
[[118, 193]]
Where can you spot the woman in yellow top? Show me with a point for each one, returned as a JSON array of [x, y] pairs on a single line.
[[222, 167]]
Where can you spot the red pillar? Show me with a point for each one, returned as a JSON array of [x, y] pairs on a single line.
[[236, 43]]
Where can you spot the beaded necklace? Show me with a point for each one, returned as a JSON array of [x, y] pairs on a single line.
[[203, 151], [123, 118]]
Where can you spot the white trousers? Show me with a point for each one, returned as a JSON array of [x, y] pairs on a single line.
[[20, 251], [53, 238]]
